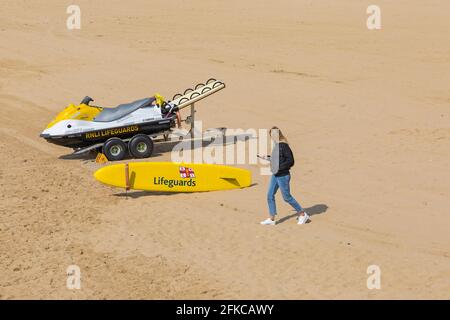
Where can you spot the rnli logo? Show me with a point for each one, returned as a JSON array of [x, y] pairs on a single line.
[[186, 173], [111, 132]]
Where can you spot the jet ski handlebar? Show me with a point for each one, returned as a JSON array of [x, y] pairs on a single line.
[[86, 100]]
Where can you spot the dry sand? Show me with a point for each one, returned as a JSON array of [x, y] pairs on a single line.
[[366, 112]]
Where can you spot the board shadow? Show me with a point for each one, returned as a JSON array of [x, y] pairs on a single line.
[[138, 194]]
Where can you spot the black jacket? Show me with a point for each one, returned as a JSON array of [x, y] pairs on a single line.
[[283, 153]]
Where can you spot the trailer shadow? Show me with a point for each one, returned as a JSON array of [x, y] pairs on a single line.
[[312, 211], [161, 146], [91, 155], [192, 144]]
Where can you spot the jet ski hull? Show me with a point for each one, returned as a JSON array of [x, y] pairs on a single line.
[[88, 138]]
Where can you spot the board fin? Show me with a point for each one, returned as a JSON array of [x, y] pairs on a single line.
[[233, 181]]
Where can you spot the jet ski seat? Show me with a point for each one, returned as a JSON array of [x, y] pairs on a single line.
[[111, 114]]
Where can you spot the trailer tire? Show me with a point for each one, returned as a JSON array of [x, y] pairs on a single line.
[[178, 95], [187, 91], [141, 146], [114, 149]]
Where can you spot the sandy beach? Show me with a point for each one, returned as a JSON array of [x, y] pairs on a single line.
[[366, 112]]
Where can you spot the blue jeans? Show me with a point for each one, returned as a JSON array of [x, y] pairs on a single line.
[[283, 184]]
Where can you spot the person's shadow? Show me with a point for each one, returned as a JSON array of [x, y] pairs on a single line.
[[311, 211]]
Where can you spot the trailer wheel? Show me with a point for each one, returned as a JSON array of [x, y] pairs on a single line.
[[199, 86], [188, 91], [177, 96], [114, 149], [141, 146]]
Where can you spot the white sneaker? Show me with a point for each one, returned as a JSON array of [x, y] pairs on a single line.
[[303, 219], [268, 222]]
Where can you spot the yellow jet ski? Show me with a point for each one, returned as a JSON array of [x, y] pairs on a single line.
[[127, 127]]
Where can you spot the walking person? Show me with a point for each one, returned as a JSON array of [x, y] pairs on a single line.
[[281, 161]]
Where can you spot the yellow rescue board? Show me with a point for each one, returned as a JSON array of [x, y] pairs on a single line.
[[173, 177]]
